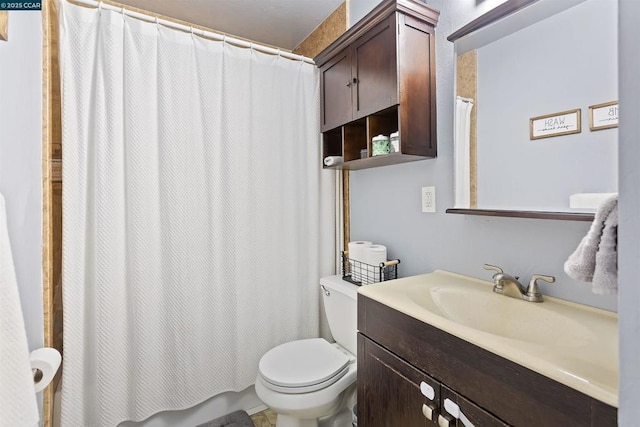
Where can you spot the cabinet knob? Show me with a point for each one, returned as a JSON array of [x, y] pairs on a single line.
[[445, 421], [348, 83], [429, 411], [353, 80]]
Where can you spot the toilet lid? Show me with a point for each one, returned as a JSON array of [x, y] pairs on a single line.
[[302, 364]]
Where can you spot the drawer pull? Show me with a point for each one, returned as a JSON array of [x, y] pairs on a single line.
[[428, 411], [444, 421], [427, 390], [452, 408]]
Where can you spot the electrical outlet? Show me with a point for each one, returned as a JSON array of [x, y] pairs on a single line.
[[429, 199]]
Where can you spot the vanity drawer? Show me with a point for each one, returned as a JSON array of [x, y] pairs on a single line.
[[514, 393]]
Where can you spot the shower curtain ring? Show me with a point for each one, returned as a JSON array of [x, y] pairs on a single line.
[[157, 24], [122, 11], [100, 7]]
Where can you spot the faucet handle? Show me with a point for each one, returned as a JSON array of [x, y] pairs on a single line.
[[536, 277], [533, 293], [494, 268]]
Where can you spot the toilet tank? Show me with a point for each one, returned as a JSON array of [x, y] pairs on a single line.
[[340, 306]]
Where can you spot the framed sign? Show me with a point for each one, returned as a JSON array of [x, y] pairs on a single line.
[[603, 116], [563, 123], [4, 24]]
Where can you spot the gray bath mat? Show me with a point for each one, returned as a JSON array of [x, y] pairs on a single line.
[[234, 419]]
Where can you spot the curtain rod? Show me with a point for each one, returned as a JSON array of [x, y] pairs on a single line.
[[202, 33]]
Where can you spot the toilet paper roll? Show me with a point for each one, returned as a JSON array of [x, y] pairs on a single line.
[[374, 255], [47, 361], [356, 249], [332, 160], [356, 253]]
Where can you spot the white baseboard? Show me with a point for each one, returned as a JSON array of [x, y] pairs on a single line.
[[257, 409]]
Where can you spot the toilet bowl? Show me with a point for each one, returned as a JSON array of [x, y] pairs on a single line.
[[311, 382]]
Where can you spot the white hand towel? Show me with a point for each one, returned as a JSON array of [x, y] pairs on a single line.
[[18, 405], [605, 277], [581, 264]]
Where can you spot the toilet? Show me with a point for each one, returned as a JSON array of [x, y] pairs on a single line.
[[311, 382]]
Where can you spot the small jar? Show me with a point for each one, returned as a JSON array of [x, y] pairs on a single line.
[[380, 145], [394, 141]]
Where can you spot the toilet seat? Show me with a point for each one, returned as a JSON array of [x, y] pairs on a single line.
[[302, 366]]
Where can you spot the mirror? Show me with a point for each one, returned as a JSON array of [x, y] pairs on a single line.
[[526, 87]]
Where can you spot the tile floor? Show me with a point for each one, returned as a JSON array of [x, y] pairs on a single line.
[[266, 418]]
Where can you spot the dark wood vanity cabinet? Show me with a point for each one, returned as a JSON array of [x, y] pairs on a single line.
[[389, 388], [396, 353], [379, 78], [389, 393]]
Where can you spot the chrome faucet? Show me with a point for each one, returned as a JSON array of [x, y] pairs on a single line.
[[509, 285]]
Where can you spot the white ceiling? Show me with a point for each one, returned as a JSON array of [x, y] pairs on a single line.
[[281, 23]]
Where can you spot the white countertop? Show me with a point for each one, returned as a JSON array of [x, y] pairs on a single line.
[[574, 344]]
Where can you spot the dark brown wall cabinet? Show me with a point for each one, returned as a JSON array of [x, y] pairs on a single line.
[[379, 78], [397, 353]]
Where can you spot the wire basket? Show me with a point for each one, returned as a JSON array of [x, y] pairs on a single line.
[[360, 273]]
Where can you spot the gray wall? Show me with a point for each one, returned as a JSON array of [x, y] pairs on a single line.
[[629, 236], [359, 8], [21, 160], [555, 65], [385, 204]]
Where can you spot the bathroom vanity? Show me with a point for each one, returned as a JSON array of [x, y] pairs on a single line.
[[502, 361]]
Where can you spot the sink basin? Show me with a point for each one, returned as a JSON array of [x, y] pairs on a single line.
[[573, 344], [499, 315]]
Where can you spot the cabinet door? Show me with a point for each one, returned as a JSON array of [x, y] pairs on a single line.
[[478, 416], [417, 85], [375, 69], [335, 87], [389, 389]]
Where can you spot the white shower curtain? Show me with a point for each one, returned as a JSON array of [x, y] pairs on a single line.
[[197, 219], [462, 152]]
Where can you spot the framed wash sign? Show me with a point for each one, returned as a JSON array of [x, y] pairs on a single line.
[[603, 116], [563, 123]]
